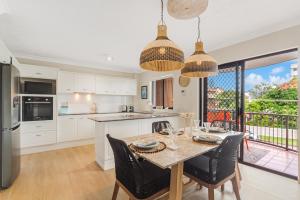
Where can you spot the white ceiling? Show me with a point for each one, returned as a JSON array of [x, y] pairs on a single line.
[[84, 32]]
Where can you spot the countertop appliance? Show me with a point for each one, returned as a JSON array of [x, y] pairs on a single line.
[[130, 108], [37, 108], [124, 108], [38, 86], [10, 125]]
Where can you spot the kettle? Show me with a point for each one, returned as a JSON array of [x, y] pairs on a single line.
[[124, 108]]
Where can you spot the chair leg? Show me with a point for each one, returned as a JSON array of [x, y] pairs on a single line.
[[199, 187], [246, 141], [222, 188], [239, 171], [235, 188], [211, 195], [116, 190]]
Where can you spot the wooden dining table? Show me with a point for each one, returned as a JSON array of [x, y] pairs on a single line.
[[174, 159]]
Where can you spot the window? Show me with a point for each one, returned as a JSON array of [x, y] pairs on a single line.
[[162, 93]]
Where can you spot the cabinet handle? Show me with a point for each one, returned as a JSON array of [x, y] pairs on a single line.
[[68, 89], [38, 135], [38, 126], [38, 73]]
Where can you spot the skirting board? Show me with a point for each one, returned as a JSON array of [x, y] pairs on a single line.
[[56, 146]]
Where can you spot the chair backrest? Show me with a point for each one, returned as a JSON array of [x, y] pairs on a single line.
[[128, 170], [227, 125], [159, 126], [225, 157]]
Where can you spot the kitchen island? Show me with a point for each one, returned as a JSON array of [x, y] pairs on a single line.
[[122, 126]]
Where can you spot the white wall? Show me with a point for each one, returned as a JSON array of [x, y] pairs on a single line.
[[183, 102], [274, 42]]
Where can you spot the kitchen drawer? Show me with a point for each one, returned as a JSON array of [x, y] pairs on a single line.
[[38, 138], [33, 71], [38, 126]]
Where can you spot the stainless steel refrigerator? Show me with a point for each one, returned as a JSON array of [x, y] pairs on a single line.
[[9, 124]]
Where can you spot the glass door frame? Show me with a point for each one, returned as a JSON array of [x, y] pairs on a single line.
[[239, 97]]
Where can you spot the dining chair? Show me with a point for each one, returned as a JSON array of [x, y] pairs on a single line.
[[159, 126], [212, 172], [138, 178], [230, 125]]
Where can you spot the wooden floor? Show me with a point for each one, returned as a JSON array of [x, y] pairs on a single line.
[[73, 174]]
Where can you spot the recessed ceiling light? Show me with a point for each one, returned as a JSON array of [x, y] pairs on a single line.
[[109, 58]]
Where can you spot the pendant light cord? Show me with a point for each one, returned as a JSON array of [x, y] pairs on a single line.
[[162, 21], [199, 36]]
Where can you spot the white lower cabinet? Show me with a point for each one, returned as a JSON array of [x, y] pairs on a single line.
[[66, 129], [77, 127], [38, 133], [32, 139], [120, 130], [85, 128]]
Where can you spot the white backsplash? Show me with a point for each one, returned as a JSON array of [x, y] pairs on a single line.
[[84, 103]]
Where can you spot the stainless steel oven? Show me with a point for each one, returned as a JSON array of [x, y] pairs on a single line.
[[38, 86], [37, 108]]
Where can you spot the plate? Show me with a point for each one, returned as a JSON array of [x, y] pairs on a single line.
[[146, 144], [207, 138], [214, 130], [165, 132]]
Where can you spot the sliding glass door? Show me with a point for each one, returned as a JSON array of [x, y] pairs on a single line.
[[223, 97], [258, 97]]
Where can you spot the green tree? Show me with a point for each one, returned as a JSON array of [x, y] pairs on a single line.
[[260, 89], [226, 99]]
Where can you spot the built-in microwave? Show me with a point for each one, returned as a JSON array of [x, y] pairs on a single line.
[[38, 86]]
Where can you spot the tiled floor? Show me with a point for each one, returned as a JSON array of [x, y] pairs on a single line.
[[277, 159]]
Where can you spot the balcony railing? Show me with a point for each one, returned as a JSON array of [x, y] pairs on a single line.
[[273, 129]]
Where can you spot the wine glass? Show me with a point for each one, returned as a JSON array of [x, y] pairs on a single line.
[[207, 126], [172, 133], [196, 124]]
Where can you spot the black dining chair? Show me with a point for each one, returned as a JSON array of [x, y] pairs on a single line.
[[212, 172], [159, 126], [229, 125], [138, 178]]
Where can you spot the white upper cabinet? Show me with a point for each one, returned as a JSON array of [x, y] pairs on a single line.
[[129, 87], [103, 85], [115, 85], [33, 71], [66, 82], [69, 82], [84, 83]]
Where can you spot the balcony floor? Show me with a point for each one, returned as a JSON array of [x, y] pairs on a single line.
[[272, 158]]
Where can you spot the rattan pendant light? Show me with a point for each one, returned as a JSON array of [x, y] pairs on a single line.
[[199, 64], [162, 54], [186, 9]]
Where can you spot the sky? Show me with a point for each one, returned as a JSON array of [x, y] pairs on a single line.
[[275, 74]]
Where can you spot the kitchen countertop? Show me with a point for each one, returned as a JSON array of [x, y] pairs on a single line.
[[132, 116], [65, 114]]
